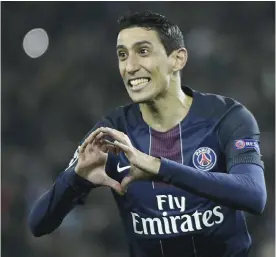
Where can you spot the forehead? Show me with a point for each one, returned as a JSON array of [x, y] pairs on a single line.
[[128, 37]]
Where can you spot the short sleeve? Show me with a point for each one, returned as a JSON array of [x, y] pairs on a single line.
[[239, 136]]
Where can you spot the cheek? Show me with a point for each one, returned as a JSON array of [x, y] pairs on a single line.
[[161, 68], [121, 69], [161, 74]]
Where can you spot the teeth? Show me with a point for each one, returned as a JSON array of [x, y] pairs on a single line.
[[137, 82]]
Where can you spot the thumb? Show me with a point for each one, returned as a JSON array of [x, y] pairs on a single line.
[[114, 184], [126, 181]]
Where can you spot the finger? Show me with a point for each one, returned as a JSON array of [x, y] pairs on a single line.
[[100, 136], [99, 133], [112, 183], [81, 149], [88, 148], [90, 139], [125, 182], [112, 149], [121, 146], [109, 148], [115, 134], [92, 136], [83, 146], [106, 141]]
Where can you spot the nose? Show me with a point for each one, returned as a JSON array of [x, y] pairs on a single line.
[[132, 65]]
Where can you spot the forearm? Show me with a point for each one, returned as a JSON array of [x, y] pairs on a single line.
[[243, 189], [48, 212]]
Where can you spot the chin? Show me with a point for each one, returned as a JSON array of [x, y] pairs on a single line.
[[142, 98]]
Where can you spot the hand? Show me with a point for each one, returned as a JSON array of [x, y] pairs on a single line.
[[143, 165], [136, 158], [122, 143], [91, 163]]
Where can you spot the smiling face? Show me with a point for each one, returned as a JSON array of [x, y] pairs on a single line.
[[143, 63]]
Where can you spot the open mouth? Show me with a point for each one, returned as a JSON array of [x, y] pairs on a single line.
[[138, 83]]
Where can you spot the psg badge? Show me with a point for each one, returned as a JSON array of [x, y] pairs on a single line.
[[204, 158]]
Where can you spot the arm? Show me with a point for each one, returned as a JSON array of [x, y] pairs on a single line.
[[243, 186], [71, 187], [49, 211]]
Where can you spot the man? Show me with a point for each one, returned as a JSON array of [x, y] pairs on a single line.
[[182, 165]]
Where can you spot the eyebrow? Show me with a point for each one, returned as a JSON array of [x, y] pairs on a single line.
[[135, 44]]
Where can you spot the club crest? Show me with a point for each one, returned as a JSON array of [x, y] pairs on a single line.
[[204, 158]]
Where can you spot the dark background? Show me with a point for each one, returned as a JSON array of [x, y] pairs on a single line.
[[50, 103]]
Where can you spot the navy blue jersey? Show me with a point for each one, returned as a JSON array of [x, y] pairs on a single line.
[[194, 207]]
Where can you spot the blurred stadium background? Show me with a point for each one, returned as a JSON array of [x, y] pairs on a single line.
[[50, 103]]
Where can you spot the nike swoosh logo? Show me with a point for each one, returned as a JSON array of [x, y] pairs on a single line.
[[120, 169]]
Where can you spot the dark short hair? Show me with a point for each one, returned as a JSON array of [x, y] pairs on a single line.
[[169, 33]]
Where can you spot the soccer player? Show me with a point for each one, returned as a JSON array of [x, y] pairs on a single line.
[[183, 166]]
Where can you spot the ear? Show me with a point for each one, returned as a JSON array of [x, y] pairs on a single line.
[[179, 57]]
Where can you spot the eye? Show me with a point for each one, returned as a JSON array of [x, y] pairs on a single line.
[[143, 51], [121, 55]]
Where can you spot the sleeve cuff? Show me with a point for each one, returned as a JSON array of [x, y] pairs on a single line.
[[164, 172], [76, 182]]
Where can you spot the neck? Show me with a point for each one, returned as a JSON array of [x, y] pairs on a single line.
[[167, 110]]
